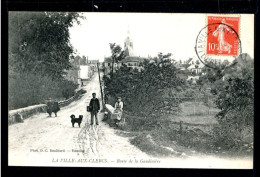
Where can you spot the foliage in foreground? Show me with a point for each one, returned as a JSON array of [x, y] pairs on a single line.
[[234, 91]]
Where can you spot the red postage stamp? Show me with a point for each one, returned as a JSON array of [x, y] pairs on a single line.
[[222, 36]]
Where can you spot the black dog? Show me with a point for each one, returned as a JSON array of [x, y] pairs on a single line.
[[52, 107], [76, 120]]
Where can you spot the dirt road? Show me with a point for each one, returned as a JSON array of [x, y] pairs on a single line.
[[44, 141], [39, 139]]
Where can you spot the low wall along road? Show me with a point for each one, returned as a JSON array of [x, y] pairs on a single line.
[[26, 112]]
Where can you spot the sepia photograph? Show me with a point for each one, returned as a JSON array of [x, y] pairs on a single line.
[[143, 90]]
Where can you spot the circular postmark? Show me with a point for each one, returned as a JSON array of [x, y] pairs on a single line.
[[218, 45]]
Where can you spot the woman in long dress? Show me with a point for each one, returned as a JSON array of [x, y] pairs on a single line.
[[223, 45], [119, 109]]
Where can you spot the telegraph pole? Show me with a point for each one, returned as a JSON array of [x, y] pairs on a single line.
[[101, 90], [112, 66]]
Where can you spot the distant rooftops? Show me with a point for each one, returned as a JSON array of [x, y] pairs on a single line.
[[132, 59], [126, 59]]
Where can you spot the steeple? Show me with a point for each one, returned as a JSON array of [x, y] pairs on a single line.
[[128, 32], [128, 47]]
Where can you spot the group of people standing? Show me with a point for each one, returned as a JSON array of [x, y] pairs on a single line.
[[94, 108]]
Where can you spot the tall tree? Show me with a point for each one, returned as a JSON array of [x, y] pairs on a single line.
[[147, 93], [39, 42], [117, 54]]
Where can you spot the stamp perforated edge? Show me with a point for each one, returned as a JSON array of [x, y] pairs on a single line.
[[238, 33]]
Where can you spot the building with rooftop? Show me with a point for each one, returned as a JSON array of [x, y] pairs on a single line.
[[130, 60], [93, 64]]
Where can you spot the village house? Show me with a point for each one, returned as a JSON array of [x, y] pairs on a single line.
[[73, 74], [132, 62], [107, 65], [108, 62], [93, 64], [195, 65]]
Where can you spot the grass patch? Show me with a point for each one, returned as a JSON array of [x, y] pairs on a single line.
[[190, 108], [146, 143], [167, 140], [162, 137]]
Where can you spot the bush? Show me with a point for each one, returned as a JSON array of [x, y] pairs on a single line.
[[148, 92], [26, 89], [67, 88], [189, 93], [235, 99], [80, 93]]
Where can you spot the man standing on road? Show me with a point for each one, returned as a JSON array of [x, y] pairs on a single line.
[[94, 108]]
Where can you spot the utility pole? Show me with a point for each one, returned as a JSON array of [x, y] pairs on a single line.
[[113, 66], [101, 90]]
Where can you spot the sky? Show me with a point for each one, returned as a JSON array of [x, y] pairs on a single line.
[[151, 33]]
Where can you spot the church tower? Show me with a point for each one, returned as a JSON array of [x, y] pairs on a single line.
[[128, 47]]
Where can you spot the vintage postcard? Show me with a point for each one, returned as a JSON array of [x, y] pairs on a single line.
[[152, 90]]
